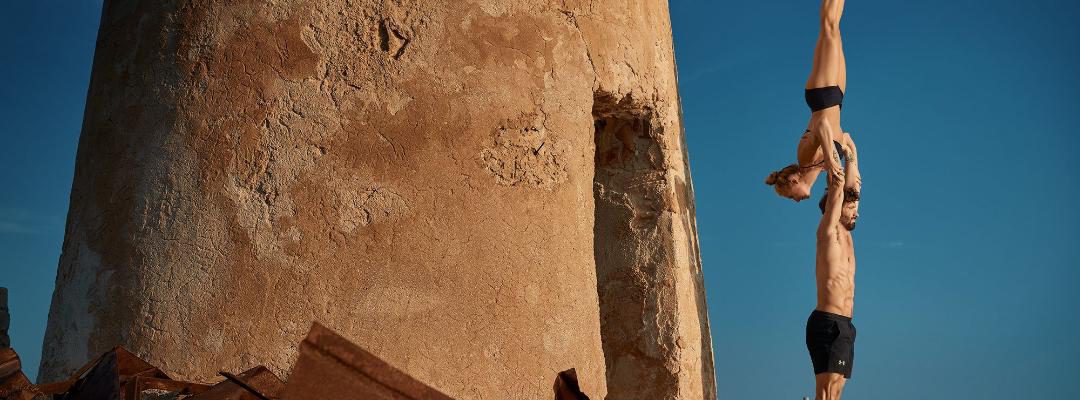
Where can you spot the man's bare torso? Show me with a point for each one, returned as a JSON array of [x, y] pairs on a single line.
[[835, 271]]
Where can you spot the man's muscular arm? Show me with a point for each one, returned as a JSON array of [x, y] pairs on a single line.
[[853, 177], [834, 200], [834, 203]]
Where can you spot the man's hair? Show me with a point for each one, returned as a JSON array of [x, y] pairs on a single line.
[[780, 177], [849, 195]]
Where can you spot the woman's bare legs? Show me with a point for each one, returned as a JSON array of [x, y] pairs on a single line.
[[830, 66], [828, 69]]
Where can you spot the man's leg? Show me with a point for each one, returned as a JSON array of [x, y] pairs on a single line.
[[830, 66], [829, 385]]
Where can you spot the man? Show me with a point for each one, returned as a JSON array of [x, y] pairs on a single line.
[[830, 335]]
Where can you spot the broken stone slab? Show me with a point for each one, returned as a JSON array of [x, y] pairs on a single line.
[[14, 384], [329, 367], [258, 383], [16, 387], [332, 367], [9, 362], [119, 375]]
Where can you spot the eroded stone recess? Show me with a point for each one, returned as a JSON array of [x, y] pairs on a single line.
[[636, 262], [418, 175]]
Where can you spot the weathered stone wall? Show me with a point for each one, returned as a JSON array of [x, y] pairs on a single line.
[[5, 320], [418, 175]]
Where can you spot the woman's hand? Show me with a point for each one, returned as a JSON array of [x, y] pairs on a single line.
[[824, 134]]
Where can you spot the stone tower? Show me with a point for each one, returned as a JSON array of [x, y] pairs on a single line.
[[482, 192]]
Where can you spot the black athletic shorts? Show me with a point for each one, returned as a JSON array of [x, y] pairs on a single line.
[[830, 338]]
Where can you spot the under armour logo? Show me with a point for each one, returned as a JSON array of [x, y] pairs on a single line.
[[841, 362]]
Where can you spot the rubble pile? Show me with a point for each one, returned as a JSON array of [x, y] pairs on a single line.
[[329, 367]]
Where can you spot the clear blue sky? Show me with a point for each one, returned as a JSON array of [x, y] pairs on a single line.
[[967, 116]]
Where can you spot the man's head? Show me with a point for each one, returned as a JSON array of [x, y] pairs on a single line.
[[788, 182], [849, 212]]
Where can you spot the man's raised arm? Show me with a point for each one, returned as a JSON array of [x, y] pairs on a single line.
[[834, 197], [851, 172]]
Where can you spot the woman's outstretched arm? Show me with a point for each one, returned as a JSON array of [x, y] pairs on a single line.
[[824, 134]]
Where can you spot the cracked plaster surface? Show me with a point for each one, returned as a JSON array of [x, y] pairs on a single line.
[[415, 175]]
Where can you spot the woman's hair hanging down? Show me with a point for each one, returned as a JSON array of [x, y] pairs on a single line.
[[775, 177]]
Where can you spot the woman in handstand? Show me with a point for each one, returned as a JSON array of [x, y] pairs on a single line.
[[825, 96]]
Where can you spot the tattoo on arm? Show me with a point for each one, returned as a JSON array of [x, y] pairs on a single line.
[[851, 157], [837, 172]]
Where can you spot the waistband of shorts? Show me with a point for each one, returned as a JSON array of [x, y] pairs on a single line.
[[830, 315]]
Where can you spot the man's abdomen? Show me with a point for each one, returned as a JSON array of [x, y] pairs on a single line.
[[836, 293]]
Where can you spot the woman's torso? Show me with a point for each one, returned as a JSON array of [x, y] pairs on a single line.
[[808, 151]]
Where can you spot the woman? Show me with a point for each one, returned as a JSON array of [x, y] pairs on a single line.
[[825, 96]]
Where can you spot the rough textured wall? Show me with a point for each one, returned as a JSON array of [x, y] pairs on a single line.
[[418, 175]]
